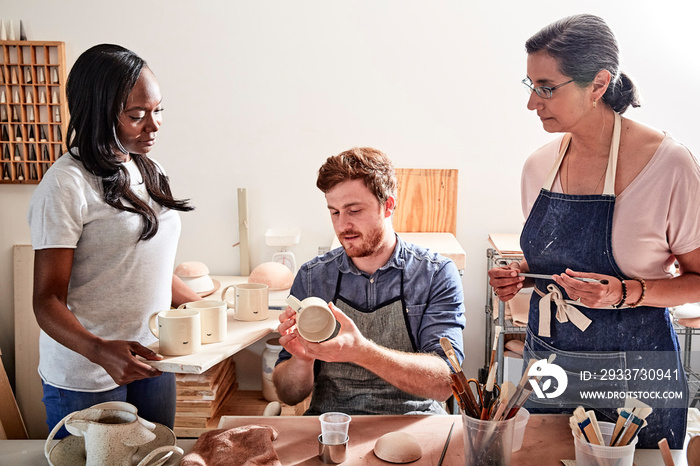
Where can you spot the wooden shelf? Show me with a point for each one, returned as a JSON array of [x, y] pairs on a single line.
[[33, 109]]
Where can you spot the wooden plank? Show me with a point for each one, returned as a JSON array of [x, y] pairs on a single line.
[[243, 228], [27, 381], [427, 200], [11, 424]]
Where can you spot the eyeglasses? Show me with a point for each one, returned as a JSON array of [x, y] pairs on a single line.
[[544, 91]]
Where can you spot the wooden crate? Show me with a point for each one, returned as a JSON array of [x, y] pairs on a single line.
[[33, 109]]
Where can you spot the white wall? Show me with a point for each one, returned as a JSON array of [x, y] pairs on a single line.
[[258, 93]]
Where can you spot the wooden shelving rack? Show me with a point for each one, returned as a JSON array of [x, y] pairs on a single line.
[[33, 109]]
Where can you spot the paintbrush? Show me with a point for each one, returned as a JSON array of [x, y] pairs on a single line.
[[632, 407], [496, 336], [518, 391], [465, 401], [487, 393], [452, 357], [507, 390], [637, 422], [523, 392]]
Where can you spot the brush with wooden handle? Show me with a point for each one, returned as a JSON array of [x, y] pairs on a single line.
[[470, 400], [487, 394], [638, 417], [496, 336], [507, 390], [516, 396]]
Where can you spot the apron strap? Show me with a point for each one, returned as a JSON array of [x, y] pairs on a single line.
[[565, 311], [610, 171]]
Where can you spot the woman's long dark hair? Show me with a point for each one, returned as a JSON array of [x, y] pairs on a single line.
[[97, 89]]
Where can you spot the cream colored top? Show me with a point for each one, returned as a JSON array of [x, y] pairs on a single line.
[[656, 216]]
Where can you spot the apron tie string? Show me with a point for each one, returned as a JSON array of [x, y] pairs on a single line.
[[565, 311]]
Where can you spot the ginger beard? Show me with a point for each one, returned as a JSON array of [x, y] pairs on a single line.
[[362, 245]]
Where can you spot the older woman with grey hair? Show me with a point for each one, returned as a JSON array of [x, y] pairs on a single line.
[[614, 202]]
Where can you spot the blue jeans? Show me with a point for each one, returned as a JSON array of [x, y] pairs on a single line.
[[154, 398]]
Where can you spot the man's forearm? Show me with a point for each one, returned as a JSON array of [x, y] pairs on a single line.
[[424, 375]]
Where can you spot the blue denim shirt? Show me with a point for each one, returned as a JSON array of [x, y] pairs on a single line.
[[432, 291]]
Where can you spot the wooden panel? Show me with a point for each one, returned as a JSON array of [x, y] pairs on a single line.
[[27, 380], [427, 200], [11, 425]]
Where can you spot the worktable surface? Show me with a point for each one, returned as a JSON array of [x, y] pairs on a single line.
[[547, 441]]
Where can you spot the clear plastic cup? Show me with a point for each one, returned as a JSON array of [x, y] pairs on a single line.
[[487, 442], [594, 455], [334, 428]]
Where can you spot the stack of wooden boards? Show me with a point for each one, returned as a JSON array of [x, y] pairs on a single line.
[[199, 397]]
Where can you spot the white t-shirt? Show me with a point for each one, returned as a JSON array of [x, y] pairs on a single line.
[[116, 281], [656, 216]]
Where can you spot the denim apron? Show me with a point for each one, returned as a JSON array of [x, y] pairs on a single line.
[[616, 346], [353, 389]]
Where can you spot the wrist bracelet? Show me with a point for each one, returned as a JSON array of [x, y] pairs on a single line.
[[644, 292], [624, 295]]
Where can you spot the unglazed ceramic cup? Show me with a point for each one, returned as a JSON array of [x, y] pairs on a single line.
[[213, 319], [179, 331], [315, 320], [251, 302]]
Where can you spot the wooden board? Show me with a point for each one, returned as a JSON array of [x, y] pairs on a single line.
[[11, 424], [240, 335], [427, 200], [507, 244], [27, 381]]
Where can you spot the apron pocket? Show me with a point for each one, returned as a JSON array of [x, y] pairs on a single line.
[[575, 378]]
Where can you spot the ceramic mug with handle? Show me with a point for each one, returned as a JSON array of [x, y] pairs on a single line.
[[315, 320], [251, 301], [213, 318], [178, 331]]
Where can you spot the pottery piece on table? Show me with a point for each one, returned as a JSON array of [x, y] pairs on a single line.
[[398, 447]]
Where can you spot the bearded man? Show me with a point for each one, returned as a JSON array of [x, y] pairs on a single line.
[[392, 300]]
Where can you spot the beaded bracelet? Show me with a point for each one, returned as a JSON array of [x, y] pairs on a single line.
[[624, 295], [644, 292]]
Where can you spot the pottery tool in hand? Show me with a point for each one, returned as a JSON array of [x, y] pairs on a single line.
[[469, 400], [549, 277]]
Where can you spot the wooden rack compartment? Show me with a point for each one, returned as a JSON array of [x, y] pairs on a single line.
[[33, 109]]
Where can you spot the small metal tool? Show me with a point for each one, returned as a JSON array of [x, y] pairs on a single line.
[[549, 277]]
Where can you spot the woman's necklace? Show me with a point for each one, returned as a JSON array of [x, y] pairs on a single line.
[[596, 185]]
